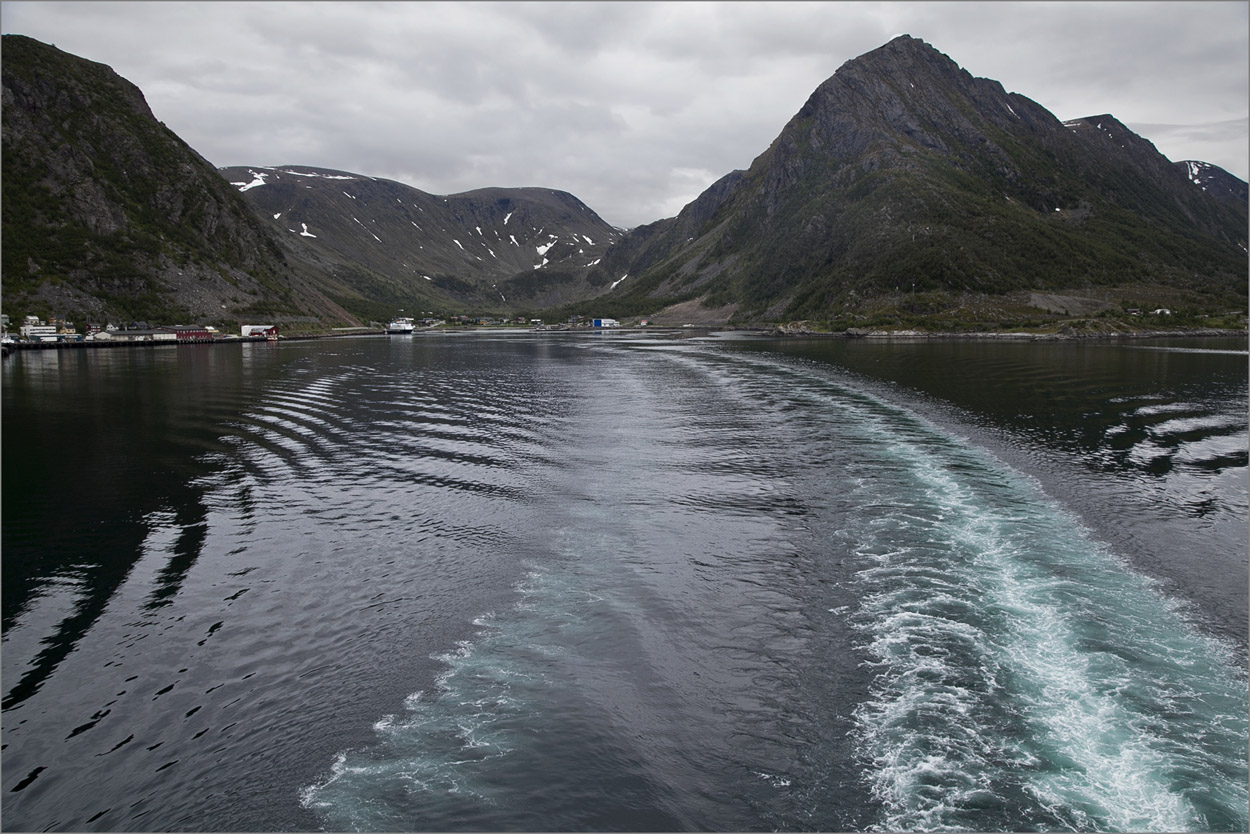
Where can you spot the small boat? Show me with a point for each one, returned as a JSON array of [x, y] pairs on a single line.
[[400, 326]]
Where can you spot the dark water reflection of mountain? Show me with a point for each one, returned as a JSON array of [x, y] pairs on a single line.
[[561, 582]]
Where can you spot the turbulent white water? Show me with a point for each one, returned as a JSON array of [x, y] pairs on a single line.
[[555, 583], [1016, 673]]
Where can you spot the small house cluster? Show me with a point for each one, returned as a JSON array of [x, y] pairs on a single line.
[[35, 330]]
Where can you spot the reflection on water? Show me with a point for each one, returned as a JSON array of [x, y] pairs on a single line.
[[484, 582]]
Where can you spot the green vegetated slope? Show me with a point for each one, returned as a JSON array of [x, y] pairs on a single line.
[[108, 214], [904, 188], [487, 250], [903, 174]]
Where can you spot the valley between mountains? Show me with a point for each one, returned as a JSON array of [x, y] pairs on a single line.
[[904, 194]]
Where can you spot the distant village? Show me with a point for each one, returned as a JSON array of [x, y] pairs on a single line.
[[35, 331]]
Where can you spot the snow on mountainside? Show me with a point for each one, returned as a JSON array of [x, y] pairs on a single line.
[[1216, 181], [902, 175], [903, 170], [477, 246]]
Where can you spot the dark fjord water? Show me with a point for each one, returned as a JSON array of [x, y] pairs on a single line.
[[531, 582]]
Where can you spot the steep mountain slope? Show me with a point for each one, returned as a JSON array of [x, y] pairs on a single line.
[[488, 249], [903, 173], [1217, 182], [108, 214]]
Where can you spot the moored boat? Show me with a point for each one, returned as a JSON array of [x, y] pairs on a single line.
[[399, 326]]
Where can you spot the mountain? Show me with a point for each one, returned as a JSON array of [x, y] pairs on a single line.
[[902, 184], [1216, 181], [108, 214], [492, 249], [902, 173]]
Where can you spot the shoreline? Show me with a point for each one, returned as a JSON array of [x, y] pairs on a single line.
[[782, 332], [1019, 336]]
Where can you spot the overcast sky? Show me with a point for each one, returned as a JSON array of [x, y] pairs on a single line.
[[634, 107]]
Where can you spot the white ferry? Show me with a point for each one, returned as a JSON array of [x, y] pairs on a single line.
[[400, 326]]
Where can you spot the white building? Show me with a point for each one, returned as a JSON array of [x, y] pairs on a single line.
[[38, 332], [249, 330]]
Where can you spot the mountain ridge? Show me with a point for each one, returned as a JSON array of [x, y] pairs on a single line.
[[107, 211], [901, 174], [109, 215], [904, 171], [476, 248]]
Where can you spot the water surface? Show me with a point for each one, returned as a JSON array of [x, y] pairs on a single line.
[[542, 582]]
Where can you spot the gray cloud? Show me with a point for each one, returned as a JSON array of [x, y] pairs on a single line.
[[634, 107]]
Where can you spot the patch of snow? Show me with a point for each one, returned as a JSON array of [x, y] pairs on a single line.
[[541, 265], [505, 218], [306, 233], [589, 242], [542, 250], [594, 262], [513, 239], [617, 281], [1013, 112], [276, 216], [258, 179], [453, 240], [426, 277], [1196, 170], [345, 194], [321, 176], [479, 231]]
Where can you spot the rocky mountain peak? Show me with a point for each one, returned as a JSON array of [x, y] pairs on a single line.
[[108, 213], [900, 170], [903, 169]]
